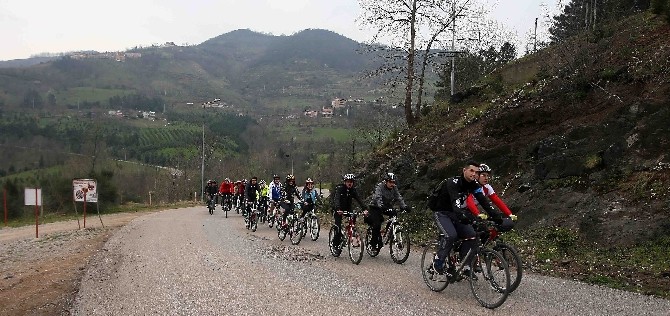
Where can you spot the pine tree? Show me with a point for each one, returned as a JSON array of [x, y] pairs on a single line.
[[658, 6]]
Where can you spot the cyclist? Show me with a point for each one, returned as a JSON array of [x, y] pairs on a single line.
[[239, 192], [310, 196], [210, 191], [274, 194], [251, 193], [385, 196], [226, 190], [342, 196], [451, 217], [483, 177], [264, 192], [290, 190]]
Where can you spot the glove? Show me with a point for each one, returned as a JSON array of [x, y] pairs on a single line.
[[483, 216], [512, 217]]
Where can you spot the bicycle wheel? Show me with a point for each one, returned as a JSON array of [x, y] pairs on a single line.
[[435, 281], [210, 207], [314, 228], [253, 221], [489, 278], [514, 261], [372, 251], [399, 245], [355, 244], [297, 229], [281, 231], [335, 250]]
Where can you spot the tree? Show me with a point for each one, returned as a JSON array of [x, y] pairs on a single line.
[[32, 99], [413, 27]]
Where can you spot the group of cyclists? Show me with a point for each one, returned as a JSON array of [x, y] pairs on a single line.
[[458, 204], [278, 197]]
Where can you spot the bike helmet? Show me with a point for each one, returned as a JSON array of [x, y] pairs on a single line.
[[348, 176], [276, 177], [262, 182], [484, 168], [309, 180], [390, 176], [290, 177], [227, 180]]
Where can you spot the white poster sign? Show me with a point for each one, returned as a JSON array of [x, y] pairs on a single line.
[[31, 198], [87, 187]]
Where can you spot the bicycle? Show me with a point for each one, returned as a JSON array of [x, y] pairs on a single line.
[[297, 226], [263, 209], [211, 204], [492, 239], [251, 220], [286, 228], [274, 219], [395, 236], [226, 204], [311, 224], [487, 273], [349, 236]]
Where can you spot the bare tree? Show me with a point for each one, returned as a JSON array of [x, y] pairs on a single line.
[[413, 28]]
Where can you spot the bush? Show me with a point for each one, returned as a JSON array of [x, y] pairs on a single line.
[[658, 6]]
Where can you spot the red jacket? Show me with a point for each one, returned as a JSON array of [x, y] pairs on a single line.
[[227, 188], [488, 191]]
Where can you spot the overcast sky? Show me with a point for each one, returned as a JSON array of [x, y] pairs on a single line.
[[29, 27]]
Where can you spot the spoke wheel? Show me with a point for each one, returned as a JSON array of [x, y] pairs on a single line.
[[281, 232], [489, 278], [372, 252], [335, 250], [436, 282], [254, 221], [399, 244], [514, 261], [297, 228], [314, 228], [355, 244]]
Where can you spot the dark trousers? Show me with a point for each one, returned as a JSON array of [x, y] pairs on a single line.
[[338, 223], [453, 230], [375, 219]]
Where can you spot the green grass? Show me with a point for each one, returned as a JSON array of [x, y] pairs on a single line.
[[90, 94]]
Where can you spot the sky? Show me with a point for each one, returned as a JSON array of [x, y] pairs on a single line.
[[30, 27]]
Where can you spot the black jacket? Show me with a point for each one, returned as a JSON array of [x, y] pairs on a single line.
[[342, 198], [454, 192]]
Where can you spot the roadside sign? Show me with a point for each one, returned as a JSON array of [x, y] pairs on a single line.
[[33, 196], [85, 187]]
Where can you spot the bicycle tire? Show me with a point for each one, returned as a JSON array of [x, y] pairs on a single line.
[[314, 228], [355, 245], [399, 245], [297, 228], [368, 244], [334, 249], [434, 281], [281, 232], [514, 261], [254, 222], [489, 278]]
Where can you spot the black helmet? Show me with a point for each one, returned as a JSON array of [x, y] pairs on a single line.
[[290, 177], [390, 176], [348, 176], [484, 168], [276, 177], [309, 180]]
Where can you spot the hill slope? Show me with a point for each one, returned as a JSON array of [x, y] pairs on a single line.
[[578, 137]]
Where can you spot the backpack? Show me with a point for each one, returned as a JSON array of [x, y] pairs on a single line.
[[434, 195]]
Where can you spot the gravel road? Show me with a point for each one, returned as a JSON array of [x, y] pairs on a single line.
[[187, 262]]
